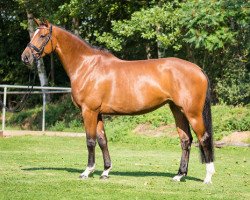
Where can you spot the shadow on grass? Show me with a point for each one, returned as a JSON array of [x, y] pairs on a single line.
[[115, 173]]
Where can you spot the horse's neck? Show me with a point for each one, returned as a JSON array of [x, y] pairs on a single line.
[[71, 50]]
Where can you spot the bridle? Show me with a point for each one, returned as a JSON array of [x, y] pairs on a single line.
[[39, 51], [37, 55]]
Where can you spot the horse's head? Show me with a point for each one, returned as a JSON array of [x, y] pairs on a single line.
[[41, 43]]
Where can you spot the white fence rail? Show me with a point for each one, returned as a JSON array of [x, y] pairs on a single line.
[[36, 90]]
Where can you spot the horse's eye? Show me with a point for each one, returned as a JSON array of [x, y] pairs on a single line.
[[42, 36]]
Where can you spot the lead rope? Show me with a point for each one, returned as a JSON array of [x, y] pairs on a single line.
[[20, 106]]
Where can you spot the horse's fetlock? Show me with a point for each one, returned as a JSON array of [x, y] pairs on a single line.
[[107, 165]]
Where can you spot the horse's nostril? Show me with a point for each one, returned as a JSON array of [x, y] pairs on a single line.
[[25, 59]]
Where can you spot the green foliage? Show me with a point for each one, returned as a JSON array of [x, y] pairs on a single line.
[[213, 34], [63, 111], [234, 87], [12, 38], [58, 117], [227, 119], [120, 127], [29, 119], [111, 42], [206, 27], [74, 125], [154, 23]]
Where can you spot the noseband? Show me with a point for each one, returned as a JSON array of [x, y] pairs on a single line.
[[39, 51]]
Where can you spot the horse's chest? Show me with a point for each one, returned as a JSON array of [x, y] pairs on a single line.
[[86, 95]]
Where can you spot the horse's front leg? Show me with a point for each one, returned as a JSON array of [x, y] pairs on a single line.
[[184, 132], [90, 123], [103, 143]]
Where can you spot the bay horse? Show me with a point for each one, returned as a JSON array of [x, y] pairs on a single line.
[[104, 84]]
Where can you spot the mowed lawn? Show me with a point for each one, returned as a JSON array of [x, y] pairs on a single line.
[[33, 167]]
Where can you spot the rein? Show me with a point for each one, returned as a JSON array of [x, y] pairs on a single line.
[[37, 55], [39, 51], [20, 106]]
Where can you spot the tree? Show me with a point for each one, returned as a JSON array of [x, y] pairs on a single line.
[[40, 64], [217, 38], [12, 40], [42, 9], [212, 34]]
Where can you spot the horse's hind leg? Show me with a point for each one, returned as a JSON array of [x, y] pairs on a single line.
[[103, 143], [200, 126], [186, 140]]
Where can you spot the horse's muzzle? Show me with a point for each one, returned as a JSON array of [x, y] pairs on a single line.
[[27, 58]]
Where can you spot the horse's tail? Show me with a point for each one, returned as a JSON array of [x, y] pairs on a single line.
[[207, 148]]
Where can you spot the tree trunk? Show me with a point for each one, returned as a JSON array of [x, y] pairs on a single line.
[[75, 26], [40, 64], [52, 69], [148, 51], [160, 51]]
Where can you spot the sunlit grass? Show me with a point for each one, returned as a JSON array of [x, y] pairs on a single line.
[[48, 168]]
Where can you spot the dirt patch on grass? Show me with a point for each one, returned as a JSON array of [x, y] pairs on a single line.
[[11, 133], [234, 139], [149, 130], [237, 138]]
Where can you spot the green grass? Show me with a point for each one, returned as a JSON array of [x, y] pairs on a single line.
[[48, 168]]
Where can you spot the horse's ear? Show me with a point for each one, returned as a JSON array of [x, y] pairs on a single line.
[[37, 21], [46, 22]]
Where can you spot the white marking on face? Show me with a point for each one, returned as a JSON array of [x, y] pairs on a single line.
[[36, 32]]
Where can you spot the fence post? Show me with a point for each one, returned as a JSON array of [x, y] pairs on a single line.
[[44, 108], [4, 108], [5, 87]]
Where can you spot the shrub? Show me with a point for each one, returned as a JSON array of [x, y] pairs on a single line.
[[227, 119], [234, 88]]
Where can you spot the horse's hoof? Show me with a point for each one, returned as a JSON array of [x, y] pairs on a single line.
[[104, 177], [83, 177], [207, 181], [177, 178]]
